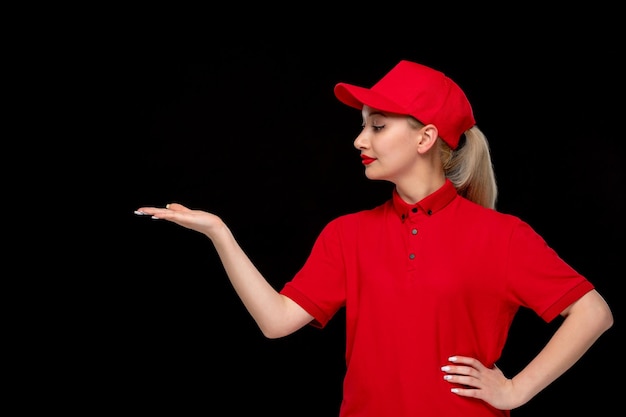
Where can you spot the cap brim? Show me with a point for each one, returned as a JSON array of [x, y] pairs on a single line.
[[355, 96]]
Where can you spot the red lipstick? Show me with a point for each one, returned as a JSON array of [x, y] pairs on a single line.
[[367, 159]]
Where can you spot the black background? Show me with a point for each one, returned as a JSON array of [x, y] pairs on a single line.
[[251, 131]]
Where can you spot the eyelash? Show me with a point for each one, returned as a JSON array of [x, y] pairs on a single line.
[[376, 128]]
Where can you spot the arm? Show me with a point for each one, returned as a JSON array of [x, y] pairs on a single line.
[[585, 321], [275, 314]]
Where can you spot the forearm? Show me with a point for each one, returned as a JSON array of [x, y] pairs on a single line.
[[275, 314], [587, 319]]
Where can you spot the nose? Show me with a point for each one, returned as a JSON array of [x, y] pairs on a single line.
[[360, 142]]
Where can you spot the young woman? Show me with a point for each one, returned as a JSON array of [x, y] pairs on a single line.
[[432, 278]]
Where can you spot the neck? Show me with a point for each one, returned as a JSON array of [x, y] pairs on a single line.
[[415, 191]]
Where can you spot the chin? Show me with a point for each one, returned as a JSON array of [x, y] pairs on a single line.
[[372, 176]]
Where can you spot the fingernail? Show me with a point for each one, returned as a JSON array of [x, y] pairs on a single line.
[[141, 213], [445, 368], [155, 218], [447, 377], [452, 358], [455, 390]]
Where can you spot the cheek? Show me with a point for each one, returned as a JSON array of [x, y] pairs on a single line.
[[401, 154], [397, 139], [397, 147]]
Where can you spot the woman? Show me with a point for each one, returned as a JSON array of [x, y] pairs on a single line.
[[432, 278]]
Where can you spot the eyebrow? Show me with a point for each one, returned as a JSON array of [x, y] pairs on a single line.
[[377, 113]]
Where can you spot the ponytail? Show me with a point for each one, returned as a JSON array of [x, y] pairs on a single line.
[[470, 169]]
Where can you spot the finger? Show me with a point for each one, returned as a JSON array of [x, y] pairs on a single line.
[[149, 209], [146, 211], [465, 381], [466, 360], [466, 392], [461, 359], [460, 370]]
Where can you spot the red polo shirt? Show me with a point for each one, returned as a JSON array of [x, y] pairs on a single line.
[[421, 283]]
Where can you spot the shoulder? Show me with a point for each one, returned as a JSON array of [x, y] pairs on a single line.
[[480, 215], [354, 219]]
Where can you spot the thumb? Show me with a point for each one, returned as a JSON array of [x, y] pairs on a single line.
[[176, 207]]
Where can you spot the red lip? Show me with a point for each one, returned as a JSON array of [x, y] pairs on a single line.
[[367, 159]]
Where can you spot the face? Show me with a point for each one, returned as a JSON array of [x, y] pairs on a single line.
[[388, 145]]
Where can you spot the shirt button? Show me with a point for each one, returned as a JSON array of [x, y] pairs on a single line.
[[414, 209], [430, 212], [414, 231], [412, 256]]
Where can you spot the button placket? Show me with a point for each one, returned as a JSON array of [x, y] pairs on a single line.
[[413, 231]]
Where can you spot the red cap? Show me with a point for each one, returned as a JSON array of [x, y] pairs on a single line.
[[419, 91]]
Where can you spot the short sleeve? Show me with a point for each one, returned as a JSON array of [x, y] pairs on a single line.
[[540, 279]]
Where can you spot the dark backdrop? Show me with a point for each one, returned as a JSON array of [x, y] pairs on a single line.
[[252, 131]]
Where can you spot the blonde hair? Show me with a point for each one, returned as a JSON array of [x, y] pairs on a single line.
[[469, 167]]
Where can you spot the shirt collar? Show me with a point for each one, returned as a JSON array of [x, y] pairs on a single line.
[[428, 205]]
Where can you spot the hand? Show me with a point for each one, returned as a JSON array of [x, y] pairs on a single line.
[[478, 381], [197, 220]]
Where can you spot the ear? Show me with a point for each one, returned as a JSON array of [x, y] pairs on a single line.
[[428, 137]]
